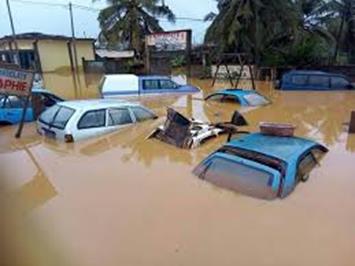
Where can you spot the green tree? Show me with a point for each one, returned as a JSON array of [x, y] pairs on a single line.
[[270, 30], [126, 22], [342, 14]]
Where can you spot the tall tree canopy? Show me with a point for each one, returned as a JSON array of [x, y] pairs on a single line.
[[281, 31], [126, 22]]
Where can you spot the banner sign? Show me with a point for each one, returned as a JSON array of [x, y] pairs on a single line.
[[15, 81], [168, 41]]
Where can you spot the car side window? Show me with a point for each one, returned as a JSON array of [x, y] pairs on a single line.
[[142, 114], [306, 165], [318, 154], [230, 98], [167, 85], [14, 102], [299, 79], [118, 117], [93, 119], [150, 84], [339, 82], [215, 97], [322, 81]]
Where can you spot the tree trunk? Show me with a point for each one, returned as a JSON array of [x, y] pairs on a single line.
[[352, 31], [338, 40]]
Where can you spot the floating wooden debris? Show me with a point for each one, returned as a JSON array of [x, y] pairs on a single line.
[[277, 129]]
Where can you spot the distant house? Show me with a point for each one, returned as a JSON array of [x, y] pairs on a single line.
[[46, 53]]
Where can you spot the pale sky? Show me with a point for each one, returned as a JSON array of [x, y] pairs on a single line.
[[55, 19]]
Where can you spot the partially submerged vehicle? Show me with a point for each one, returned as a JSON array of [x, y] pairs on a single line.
[[77, 120], [314, 80], [11, 107], [120, 85], [240, 96], [190, 133], [262, 166]]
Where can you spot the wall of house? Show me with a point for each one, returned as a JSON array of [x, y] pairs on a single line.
[[84, 49], [22, 45], [53, 55]]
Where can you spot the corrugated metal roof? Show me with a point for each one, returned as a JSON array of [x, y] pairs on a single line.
[[42, 36]]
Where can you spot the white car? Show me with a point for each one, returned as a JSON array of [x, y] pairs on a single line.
[[77, 120]]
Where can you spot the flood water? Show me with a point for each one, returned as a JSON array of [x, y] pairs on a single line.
[[122, 200]]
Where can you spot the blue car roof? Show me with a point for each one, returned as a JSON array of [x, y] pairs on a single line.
[[283, 148], [313, 72], [149, 77], [236, 92]]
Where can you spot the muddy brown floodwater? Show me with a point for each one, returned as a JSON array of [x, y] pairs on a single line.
[[123, 200]]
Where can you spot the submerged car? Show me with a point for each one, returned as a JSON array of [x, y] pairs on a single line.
[[120, 85], [314, 80], [11, 107], [77, 120], [243, 97], [262, 166]]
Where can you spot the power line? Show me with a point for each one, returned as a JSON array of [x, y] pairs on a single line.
[[40, 3], [92, 9]]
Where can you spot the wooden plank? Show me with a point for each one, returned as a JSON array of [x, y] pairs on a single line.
[[352, 123]]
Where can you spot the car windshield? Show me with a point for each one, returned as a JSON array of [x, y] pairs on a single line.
[[256, 99], [242, 178]]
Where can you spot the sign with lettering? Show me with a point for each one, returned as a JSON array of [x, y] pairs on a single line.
[[15, 81], [168, 41]]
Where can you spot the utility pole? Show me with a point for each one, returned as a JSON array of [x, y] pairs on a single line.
[[17, 54], [76, 65]]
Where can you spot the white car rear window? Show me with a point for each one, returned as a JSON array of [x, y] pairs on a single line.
[[57, 116]]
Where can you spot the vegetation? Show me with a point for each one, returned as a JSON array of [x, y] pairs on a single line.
[[285, 32], [124, 23]]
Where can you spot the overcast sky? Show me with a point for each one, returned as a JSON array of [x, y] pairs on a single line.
[[55, 19]]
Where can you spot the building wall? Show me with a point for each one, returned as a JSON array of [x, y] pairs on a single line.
[[54, 54], [84, 49], [22, 45]]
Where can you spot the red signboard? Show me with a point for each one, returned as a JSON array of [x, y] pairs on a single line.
[[15, 81]]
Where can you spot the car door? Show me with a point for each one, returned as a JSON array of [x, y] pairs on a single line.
[[12, 109], [340, 83], [308, 162], [150, 86], [167, 86], [296, 82], [318, 82], [119, 118], [92, 123]]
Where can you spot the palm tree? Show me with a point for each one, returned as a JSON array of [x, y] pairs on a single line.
[[268, 27], [126, 22], [250, 25]]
